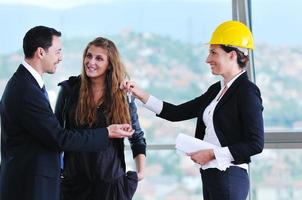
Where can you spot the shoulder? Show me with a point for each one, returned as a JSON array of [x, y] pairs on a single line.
[[69, 86], [70, 82], [249, 93], [247, 85], [23, 83], [214, 88]]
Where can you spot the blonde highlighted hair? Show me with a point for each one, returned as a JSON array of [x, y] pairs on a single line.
[[114, 100]]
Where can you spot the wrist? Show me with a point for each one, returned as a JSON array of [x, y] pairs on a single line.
[[144, 97]]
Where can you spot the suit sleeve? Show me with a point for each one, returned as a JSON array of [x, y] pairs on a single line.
[[184, 111], [137, 141], [37, 118], [250, 111]]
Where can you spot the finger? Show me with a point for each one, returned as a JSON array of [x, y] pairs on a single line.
[[189, 154], [126, 133], [122, 126], [123, 84], [130, 84], [128, 129]]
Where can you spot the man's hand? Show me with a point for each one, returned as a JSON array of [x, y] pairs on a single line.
[[120, 131]]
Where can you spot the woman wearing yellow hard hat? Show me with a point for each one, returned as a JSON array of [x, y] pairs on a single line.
[[229, 115]]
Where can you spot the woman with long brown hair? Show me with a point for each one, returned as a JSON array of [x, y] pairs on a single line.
[[91, 100]]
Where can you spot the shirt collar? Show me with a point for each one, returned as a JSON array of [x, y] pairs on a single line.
[[34, 73], [232, 80]]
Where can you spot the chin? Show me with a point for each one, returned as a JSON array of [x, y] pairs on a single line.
[[51, 72], [89, 75], [214, 73]]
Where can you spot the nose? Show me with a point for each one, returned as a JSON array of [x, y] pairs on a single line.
[[60, 57], [208, 60], [91, 61]]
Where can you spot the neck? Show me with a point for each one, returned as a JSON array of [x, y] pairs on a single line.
[[35, 65], [97, 83], [230, 75], [97, 86]]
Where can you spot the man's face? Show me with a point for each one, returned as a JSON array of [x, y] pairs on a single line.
[[52, 56]]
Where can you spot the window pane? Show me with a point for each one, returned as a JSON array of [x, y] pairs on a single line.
[[161, 43], [168, 176], [278, 61], [276, 174]]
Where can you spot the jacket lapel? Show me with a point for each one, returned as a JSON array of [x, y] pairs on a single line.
[[22, 71], [231, 91]]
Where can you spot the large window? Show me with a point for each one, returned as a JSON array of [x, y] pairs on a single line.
[[278, 58], [278, 61], [163, 45]]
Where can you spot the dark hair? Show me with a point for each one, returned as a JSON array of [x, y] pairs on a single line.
[[39, 36], [242, 59]]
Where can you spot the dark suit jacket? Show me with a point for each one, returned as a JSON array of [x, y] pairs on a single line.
[[31, 140], [237, 118]]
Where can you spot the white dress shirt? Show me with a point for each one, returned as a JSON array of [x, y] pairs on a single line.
[[34, 73]]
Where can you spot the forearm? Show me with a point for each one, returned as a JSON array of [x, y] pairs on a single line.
[[154, 104], [143, 96], [140, 162], [140, 165]]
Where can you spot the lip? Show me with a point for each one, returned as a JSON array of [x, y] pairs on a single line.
[[91, 69]]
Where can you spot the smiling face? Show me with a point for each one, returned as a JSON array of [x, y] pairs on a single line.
[[52, 56], [96, 62], [220, 61]]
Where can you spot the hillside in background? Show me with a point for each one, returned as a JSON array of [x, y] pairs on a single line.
[[176, 71]]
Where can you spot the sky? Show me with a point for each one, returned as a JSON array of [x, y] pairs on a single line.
[[274, 21], [65, 4], [55, 4]]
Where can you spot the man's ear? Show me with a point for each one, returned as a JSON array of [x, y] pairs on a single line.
[[40, 52]]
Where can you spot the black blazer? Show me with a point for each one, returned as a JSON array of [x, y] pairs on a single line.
[[237, 118], [31, 140]]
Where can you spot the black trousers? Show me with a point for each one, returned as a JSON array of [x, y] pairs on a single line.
[[232, 184]]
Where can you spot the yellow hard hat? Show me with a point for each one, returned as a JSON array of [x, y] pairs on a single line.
[[233, 33]]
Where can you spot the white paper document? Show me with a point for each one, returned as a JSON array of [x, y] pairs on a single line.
[[188, 144]]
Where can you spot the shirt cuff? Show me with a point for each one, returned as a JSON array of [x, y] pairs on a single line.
[[154, 104], [223, 157]]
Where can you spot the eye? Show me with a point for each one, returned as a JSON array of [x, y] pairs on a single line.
[[212, 52], [99, 58], [58, 52], [88, 55]]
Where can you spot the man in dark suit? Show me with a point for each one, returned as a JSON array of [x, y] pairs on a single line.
[[31, 136]]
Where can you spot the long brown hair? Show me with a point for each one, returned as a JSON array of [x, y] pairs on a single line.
[[114, 100]]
